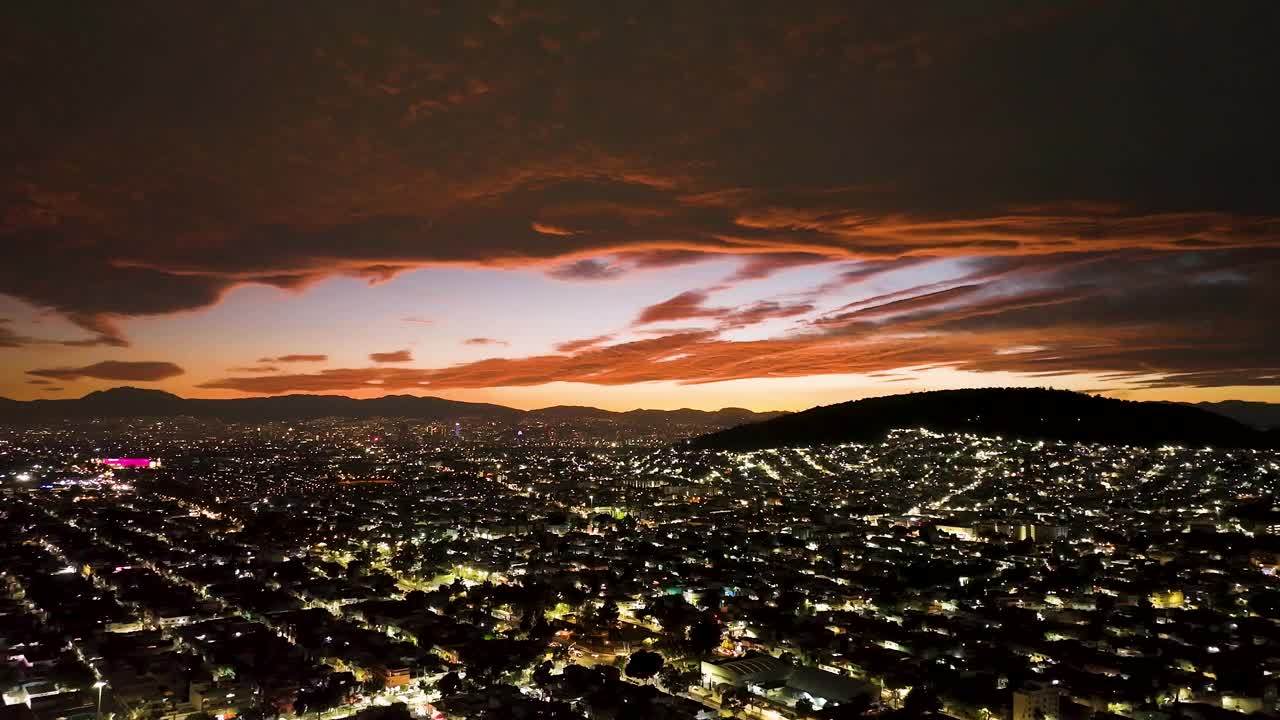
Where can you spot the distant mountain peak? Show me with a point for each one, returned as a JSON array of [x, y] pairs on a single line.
[[127, 392]]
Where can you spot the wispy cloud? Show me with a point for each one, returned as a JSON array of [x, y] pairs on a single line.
[[395, 356], [138, 371]]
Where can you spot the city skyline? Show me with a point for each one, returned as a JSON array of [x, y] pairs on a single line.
[[648, 207]]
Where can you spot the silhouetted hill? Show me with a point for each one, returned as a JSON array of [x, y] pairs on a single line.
[[1260, 415], [128, 402], [564, 412], [1014, 412]]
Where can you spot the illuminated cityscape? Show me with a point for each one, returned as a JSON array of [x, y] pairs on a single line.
[[648, 360], [321, 569]]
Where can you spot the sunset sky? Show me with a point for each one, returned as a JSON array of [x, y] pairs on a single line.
[[690, 204]]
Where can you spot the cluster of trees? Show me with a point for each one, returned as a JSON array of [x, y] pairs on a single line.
[[491, 660], [601, 688], [699, 631], [326, 693]]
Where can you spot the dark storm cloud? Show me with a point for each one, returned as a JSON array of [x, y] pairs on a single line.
[[159, 155], [140, 371], [876, 308]]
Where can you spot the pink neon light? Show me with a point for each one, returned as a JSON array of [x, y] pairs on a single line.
[[127, 462]]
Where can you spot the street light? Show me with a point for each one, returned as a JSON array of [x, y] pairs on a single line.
[[99, 685]]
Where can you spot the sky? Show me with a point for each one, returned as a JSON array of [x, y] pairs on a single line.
[[659, 204]]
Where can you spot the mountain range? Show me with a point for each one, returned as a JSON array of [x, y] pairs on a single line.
[[1017, 412], [129, 402], [1261, 415], [1014, 412]]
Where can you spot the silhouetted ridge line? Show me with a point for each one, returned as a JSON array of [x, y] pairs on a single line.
[[129, 402], [1261, 415], [1013, 412]]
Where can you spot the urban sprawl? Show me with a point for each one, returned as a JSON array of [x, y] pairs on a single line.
[[169, 570]]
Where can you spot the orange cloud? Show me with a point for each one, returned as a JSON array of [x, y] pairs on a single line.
[[546, 229], [685, 306], [762, 311], [294, 359], [576, 345], [396, 356]]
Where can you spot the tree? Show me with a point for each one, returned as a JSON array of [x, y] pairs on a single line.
[[542, 673], [137, 712], [258, 711], [677, 681], [10, 676], [610, 674], [705, 636], [397, 711], [376, 683], [577, 680], [450, 684], [673, 613], [643, 664], [404, 560], [834, 555], [357, 569], [854, 709], [607, 616], [733, 700], [541, 631], [921, 701], [332, 693], [804, 707], [789, 602], [1265, 603]]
